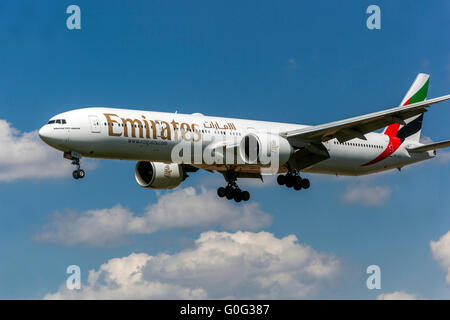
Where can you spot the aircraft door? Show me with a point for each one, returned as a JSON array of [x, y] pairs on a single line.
[[95, 124]]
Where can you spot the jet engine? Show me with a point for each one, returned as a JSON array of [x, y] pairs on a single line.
[[159, 175], [265, 149]]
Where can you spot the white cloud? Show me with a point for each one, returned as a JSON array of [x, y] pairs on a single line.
[[221, 265], [441, 252], [426, 140], [180, 209], [24, 156], [365, 195], [122, 278], [397, 295]]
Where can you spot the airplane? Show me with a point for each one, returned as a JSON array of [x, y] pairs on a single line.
[[168, 146]]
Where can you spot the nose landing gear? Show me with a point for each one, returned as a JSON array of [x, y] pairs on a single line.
[[75, 157], [293, 180]]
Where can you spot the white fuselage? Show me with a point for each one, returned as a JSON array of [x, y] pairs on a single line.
[[151, 136]]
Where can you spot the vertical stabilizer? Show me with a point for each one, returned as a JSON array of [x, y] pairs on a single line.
[[416, 93]]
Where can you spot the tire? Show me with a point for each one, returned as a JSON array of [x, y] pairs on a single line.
[[281, 179], [75, 175], [237, 196], [245, 196], [229, 193], [289, 181], [297, 183], [221, 192], [305, 184], [81, 174]]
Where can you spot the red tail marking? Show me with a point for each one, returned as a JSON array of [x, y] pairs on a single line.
[[392, 129], [394, 144]]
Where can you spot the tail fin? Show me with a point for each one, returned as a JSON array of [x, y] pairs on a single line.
[[416, 93]]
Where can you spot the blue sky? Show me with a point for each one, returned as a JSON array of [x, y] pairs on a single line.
[[298, 62]]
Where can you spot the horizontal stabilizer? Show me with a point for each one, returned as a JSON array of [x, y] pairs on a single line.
[[432, 146]]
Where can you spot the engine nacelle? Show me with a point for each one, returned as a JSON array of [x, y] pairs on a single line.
[[265, 149], [158, 175]]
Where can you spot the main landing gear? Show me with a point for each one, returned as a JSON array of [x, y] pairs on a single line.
[[78, 173], [232, 191], [293, 180]]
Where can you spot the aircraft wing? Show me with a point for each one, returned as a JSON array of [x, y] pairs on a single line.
[[432, 146], [357, 127]]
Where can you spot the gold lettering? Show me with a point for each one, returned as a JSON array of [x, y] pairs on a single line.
[[147, 128], [165, 132], [155, 136], [110, 124], [134, 123]]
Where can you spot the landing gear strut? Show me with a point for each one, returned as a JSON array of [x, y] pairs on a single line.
[[232, 190], [293, 179], [75, 157]]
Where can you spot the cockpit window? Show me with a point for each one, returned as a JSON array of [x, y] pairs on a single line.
[[60, 121]]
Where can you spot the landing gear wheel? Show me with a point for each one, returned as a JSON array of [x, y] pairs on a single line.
[[289, 181], [232, 190], [297, 183], [221, 192], [237, 195], [229, 192], [293, 179], [305, 183], [78, 174], [281, 179]]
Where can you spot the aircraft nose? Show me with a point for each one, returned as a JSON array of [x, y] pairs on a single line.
[[44, 134], [50, 137]]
